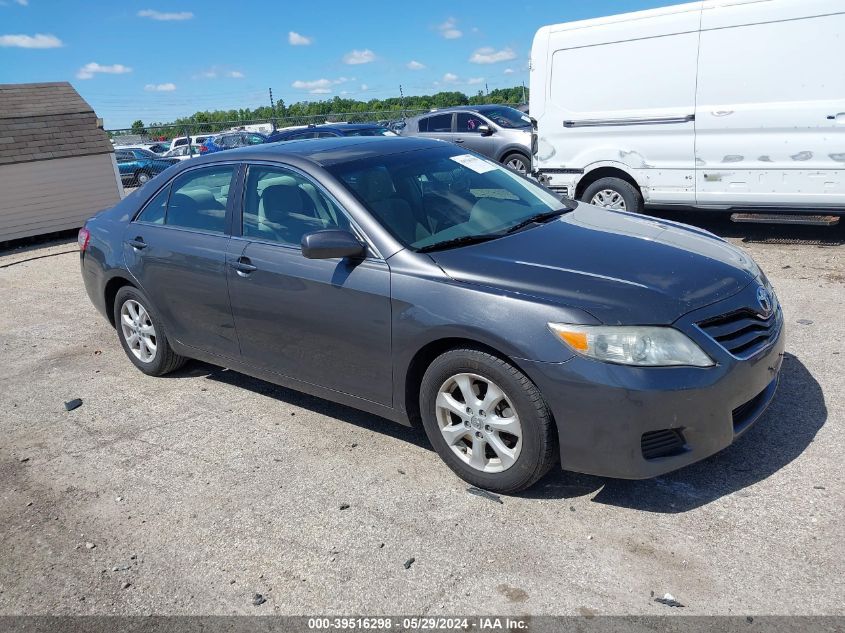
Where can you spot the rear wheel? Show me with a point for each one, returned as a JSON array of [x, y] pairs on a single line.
[[487, 421], [142, 177], [142, 334], [613, 193], [518, 163]]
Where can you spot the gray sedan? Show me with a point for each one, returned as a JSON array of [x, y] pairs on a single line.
[[429, 285]]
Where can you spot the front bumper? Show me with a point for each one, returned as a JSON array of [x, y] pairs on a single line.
[[610, 417]]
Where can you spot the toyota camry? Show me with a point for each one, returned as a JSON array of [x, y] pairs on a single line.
[[426, 284]]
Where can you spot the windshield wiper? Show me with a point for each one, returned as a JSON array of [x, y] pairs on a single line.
[[459, 241], [537, 219]]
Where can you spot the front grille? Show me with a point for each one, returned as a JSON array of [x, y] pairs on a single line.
[[662, 443], [743, 332]]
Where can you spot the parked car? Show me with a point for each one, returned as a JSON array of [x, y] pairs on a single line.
[[231, 140], [155, 148], [330, 130], [419, 282], [139, 166], [183, 140], [500, 132], [713, 126], [183, 152]]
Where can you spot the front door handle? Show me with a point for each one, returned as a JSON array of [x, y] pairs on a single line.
[[459, 140], [243, 266], [138, 243]]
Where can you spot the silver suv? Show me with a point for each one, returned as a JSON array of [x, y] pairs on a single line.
[[500, 132]]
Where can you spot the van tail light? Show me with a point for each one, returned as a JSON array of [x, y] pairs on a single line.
[[83, 238]]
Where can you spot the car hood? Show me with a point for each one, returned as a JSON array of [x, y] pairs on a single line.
[[621, 268]]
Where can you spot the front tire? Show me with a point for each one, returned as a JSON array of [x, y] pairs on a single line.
[[142, 334], [487, 421], [517, 162], [615, 194]]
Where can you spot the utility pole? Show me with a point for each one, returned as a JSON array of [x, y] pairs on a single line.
[[402, 100], [273, 110], [486, 89], [523, 92]]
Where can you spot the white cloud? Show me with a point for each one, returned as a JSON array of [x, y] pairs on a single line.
[[359, 57], [509, 71], [214, 72], [39, 40], [475, 81], [89, 70], [364, 87], [489, 55], [450, 78], [414, 65], [297, 39], [320, 86], [23, 3], [449, 29], [164, 16], [168, 87]]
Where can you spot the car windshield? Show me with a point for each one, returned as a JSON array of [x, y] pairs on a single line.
[[442, 197], [507, 117], [369, 131]]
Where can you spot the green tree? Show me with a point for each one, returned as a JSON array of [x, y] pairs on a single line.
[[138, 128]]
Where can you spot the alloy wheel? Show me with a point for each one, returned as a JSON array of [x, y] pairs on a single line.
[[479, 423], [517, 164], [138, 330]]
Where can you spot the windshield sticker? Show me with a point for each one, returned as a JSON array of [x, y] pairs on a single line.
[[476, 164]]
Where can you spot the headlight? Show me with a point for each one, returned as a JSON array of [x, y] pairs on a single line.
[[645, 346]]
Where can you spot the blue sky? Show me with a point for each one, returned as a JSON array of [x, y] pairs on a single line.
[[156, 60]]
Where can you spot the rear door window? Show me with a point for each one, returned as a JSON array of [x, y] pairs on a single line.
[[438, 123], [155, 211], [199, 198]]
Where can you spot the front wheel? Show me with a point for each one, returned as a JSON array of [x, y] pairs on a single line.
[[487, 421], [613, 193], [518, 163], [142, 178], [142, 335]]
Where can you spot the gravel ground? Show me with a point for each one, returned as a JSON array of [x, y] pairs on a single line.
[[190, 494]]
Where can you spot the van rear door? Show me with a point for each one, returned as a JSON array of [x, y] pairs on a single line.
[[770, 113]]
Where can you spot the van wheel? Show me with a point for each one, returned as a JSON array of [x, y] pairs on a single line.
[[518, 163], [487, 421], [613, 193]]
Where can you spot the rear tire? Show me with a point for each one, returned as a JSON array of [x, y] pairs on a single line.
[[615, 194], [142, 334], [501, 436], [142, 178]]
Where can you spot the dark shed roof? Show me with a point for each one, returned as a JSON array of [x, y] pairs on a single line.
[[47, 120]]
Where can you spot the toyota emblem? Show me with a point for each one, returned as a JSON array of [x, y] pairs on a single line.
[[765, 301]]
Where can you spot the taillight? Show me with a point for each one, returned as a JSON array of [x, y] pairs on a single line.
[[203, 149], [83, 238]]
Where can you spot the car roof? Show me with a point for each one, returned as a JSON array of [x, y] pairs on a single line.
[[327, 151], [340, 127]]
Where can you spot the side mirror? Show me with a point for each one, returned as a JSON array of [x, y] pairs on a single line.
[[332, 243], [485, 129]]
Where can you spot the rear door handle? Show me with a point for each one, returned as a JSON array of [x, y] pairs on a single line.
[[243, 266], [138, 243], [459, 140]]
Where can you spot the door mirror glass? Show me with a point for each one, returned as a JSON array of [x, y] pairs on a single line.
[[485, 129], [332, 243]]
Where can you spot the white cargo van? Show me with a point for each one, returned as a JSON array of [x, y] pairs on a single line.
[[719, 104]]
